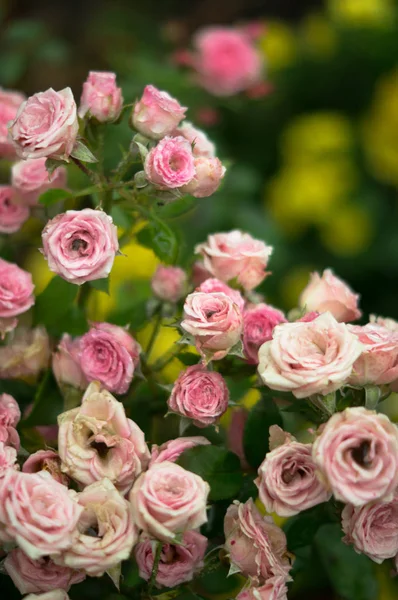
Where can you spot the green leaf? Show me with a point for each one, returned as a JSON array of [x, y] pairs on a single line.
[[52, 164], [216, 581], [81, 152], [161, 239], [256, 433], [177, 208], [47, 404], [188, 358], [54, 195], [101, 284], [300, 530], [372, 396], [55, 301], [219, 467]]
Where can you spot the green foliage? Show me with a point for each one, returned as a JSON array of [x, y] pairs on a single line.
[[54, 195], [47, 403], [256, 434], [158, 236], [53, 307], [101, 285]]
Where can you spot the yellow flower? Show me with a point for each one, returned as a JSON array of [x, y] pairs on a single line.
[[362, 12], [279, 45], [348, 231]]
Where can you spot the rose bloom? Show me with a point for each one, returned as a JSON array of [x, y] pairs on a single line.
[[30, 179], [171, 451], [45, 460], [200, 395], [9, 419], [26, 355], [169, 283], [274, 589], [38, 513], [42, 575], [46, 125], [378, 363], [16, 290], [208, 175], [226, 60], [235, 255], [66, 363], [167, 500], [330, 294], [215, 322], [170, 164], [80, 245], [101, 98], [53, 595], [157, 114], [9, 104], [210, 285], [8, 459], [202, 146], [178, 563], [309, 316], [109, 354], [258, 325], [390, 324], [357, 456], [96, 440], [12, 214], [309, 358]]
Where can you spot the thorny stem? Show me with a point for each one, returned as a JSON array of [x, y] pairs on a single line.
[[90, 174], [155, 567]]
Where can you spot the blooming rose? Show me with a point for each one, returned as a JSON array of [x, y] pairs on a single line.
[[384, 322], [207, 179], [46, 125], [167, 500], [202, 146], [214, 320], [80, 245], [66, 363], [178, 563], [37, 512], [109, 354], [258, 325], [378, 363], [170, 164], [200, 395], [45, 460], [274, 589], [8, 458], [30, 179], [53, 595], [211, 285], [26, 355], [235, 255], [41, 575], [309, 316], [172, 449], [357, 456], [309, 358], [101, 98], [330, 294], [169, 283], [12, 214], [16, 290], [9, 104], [157, 114], [96, 440]]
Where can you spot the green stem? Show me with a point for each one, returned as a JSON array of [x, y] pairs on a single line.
[[164, 360], [154, 335], [155, 567], [82, 297], [90, 174]]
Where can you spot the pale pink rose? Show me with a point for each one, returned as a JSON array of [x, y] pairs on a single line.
[[178, 563], [12, 214], [215, 321], [235, 435], [45, 460], [357, 456], [157, 114], [9, 104], [106, 530], [330, 294], [38, 513], [8, 458], [378, 363], [80, 245], [66, 363], [210, 285], [372, 529], [171, 450], [235, 255], [96, 440], [309, 316], [200, 395], [226, 60], [101, 98], [53, 595], [109, 354], [42, 575], [202, 146], [16, 290], [30, 179], [274, 589], [384, 322], [170, 164], [169, 283], [309, 358], [259, 322], [208, 175], [9, 436], [256, 546], [10, 413], [26, 354], [167, 500], [46, 125]]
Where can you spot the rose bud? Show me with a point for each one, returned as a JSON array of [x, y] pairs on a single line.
[[274, 589], [330, 294], [45, 125], [45, 460], [42, 575], [211, 285], [208, 175], [171, 451], [199, 274], [9, 104], [201, 145], [96, 440], [16, 290], [378, 363], [235, 255], [101, 98], [12, 214], [66, 363], [53, 595], [200, 395], [169, 283], [168, 500], [157, 114], [26, 355], [309, 358], [258, 325], [8, 458], [170, 164], [80, 245], [357, 456], [178, 563], [30, 179], [215, 321]]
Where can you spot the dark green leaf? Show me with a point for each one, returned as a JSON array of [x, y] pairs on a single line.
[[81, 152], [301, 529], [216, 581], [256, 434], [52, 164], [101, 284], [177, 208], [188, 358], [47, 404], [55, 301], [54, 195], [160, 238]]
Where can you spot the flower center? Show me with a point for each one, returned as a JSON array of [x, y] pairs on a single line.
[[361, 454], [79, 244], [101, 448]]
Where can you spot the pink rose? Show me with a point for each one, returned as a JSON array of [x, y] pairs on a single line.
[[30, 179], [209, 286], [235, 255], [384, 322], [274, 589], [42, 575], [167, 500], [258, 325], [8, 458], [53, 595], [309, 358], [235, 435], [200, 395], [199, 273], [12, 214], [80, 245], [66, 363], [169, 283], [178, 563], [9, 419], [46, 125], [38, 513], [357, 456], [330, 294], [16, 290], [208, 175], [101, 98], [26, 355], [309, 316], [226, 60], [9, 104], [170, 164], [170, 451], [109, 354], [202, 146], [157, 114], [378, 363], [96, 440], [214, 320], [45, 460]]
